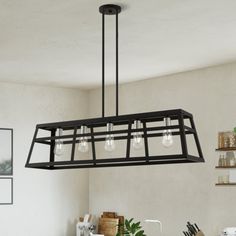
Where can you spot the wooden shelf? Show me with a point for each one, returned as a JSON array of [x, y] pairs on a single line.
[[228, 184], [225, 167], [226, 149]]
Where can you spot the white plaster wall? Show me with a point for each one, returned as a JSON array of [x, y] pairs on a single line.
[[174, 194], [45, 202]]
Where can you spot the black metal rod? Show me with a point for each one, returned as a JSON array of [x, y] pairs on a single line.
[[175, 161], [98, 122], [124, 137], [122, 131], [145, 141], [103, 65], [32, 146], [196, 139], [117, 67], [150, 135], [73, 145], [115, 160], [93, 146], [128, 140], [52, 147], [183, 135]]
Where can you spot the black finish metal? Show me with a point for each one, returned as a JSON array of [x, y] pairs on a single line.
[[182, 135], [52, 146], [110, 9], [145, 141], [128, 140], [98, 132], [151, 129], [103, 65], [93, 145], [73, 145], [117, 69]]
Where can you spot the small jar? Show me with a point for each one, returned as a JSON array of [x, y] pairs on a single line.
[[226, 179], [232, 161], [224, 161], [220, 161], [226, 139], [231, 139], [220, 139]]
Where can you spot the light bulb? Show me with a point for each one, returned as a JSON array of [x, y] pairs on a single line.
[[110, 143], [167, 139], [83, 141], [137, 136], [59, 146]]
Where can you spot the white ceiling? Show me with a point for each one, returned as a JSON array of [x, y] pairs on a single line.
[[58, 42]]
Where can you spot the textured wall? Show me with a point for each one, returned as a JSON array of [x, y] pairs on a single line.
[[45, 202], [173, 193]]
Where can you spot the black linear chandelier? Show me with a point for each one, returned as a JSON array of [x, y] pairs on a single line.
[[135, 130]]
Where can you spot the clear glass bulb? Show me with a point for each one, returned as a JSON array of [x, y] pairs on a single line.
[[110, 142], [59, 146], [137, 136], [167, 139], [83, 141]]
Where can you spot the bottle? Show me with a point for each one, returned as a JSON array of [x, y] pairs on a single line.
[[224, 161], [232, 161], [220, 161]]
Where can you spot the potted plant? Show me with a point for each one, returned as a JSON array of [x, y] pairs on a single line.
[[130, 228]]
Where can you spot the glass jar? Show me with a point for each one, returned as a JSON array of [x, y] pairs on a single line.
[[231, 139], [220, 139]]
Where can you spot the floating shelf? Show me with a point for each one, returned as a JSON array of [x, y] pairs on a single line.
[[225, 167], [228, 184], [226, 149]]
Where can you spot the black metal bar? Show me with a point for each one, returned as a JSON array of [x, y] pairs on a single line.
[[103, 65], [52, 147], [109, 160], [145, 141], [109, 132], [73, 145], [32, 146], [149, 135], [117, 66], [195, 159], [123, 164], [196, 139], [183, 136], [93, 146], [116, 120], [128, 140], [148, 132], [115, 165], [125, 137]]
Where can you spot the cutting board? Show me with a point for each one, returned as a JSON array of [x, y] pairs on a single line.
[[108, 226]]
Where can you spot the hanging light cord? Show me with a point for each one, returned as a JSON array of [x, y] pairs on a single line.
[[117, 68], [103, 65]]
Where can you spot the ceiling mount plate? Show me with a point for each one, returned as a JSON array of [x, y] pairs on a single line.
[[109, 9]]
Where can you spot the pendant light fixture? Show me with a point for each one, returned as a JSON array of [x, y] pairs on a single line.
[[137, 130]]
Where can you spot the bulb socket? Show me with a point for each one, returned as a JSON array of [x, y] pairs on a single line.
[[167, 121], [83, 129], [60, 132], [137, 124], [109, 127]]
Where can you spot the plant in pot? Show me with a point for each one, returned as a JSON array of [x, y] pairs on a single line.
[[130, 228]]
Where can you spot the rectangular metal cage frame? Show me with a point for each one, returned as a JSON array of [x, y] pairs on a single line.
[[123, 134]]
